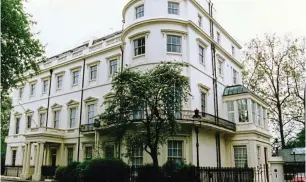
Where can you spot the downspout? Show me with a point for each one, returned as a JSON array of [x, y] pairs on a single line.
[[81, 107], [215, 85], [51, 71]]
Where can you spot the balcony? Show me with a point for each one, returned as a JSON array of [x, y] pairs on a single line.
[[45, 131], [184, 117]]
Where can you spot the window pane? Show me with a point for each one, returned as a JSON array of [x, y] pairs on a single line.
[[173, 43], [175, 150], [242, 110], [240, 155]]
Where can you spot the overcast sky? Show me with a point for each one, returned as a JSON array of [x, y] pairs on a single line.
[[64, 24]]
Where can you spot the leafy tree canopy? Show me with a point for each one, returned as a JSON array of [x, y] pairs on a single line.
[[147, 103], [274, 70]]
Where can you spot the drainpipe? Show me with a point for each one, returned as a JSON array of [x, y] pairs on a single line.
[[51, 71], [81, 107]]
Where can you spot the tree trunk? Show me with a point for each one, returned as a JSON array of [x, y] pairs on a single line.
[[281, 127], [154, 157]]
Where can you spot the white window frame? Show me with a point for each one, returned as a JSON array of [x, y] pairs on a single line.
[[173, 10], [32, 91], [201, 56], [56, 125], [29, 114], [258, 154], [137, 156], [70, 148], [220, 65], [235, 77], [96, 64], [180, 45], [139, 47], [259, 114], [85, 152], [45, 119], [243, 160], [231, 112], [72, 77], [245, 109], [59, 87], [254, 111], [175, 157], [111, 72], [43, 91], [140, 13], [110, 144], [20, 93], [75, 119], [17, 131]]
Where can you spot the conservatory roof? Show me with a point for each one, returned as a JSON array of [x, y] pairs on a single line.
[[235, 89]]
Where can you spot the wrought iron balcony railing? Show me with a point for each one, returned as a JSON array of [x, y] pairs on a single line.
[[183, 115]]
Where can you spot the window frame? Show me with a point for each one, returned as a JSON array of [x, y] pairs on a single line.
[[254, 111], [174, 47], [243, 108], [245, 157], [32, 90], [177, 157], [20, 93], [75, 117], [259, 114], [220, 67], [137, 156], [92, 71], [112, 146], [17, 125], [258, 154], [87, 151], [173, 8], [56, 120], [139, 14], [29, 123], [201, 56], [111, 71], [14, 157], [235, 76], [203, 105], [140, 48], [88, 113], [233, 51], [47, 86], [218, 37], [200, 21], [70, 155], [73, 80], [231, 112], [59, 86], [40, 118]]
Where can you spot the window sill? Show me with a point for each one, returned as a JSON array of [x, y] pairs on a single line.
[[74, 85], [139, 56], [175, 53], [93, 80]]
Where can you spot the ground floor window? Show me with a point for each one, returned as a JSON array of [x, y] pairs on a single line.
[[240, 156], [175, 150], [69, 155], [14, 157], [88, 153], [137, 159]]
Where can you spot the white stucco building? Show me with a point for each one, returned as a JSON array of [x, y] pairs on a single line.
[[50, 107]]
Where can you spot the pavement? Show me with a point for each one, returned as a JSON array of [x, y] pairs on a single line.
[[11, 179]]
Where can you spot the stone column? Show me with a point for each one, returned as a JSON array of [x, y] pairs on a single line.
[[24, 159], [277, 169], [61, 158], [36, 158], [40, 160], [26, 167]]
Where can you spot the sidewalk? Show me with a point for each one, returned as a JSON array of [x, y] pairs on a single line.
[[10, 178]]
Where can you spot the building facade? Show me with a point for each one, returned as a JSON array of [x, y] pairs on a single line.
[[53, 115]]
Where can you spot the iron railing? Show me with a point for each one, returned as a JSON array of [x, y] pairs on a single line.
[[294, 171], [183, 116]]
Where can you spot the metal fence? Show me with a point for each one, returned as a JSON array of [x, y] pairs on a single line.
[[202, 174], [294, 171]]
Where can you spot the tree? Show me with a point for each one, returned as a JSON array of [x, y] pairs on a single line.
[[145, 104], [298, 141], [274, 70], [20, 53]]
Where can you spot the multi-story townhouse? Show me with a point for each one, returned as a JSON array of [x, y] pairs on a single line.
[[53, 115]]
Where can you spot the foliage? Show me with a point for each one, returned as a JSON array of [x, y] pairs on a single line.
[[150, 173], [178, 171], [299, 141], [103, 170], [147, 102], [273, 70], [6, 105], [60, 173], [20, 51]]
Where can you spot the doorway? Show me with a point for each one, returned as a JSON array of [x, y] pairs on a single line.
[[53, 157]]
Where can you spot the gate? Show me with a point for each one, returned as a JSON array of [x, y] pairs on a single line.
[[294, 171]]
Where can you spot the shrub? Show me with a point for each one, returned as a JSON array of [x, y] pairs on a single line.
[[149, 173], [60, 173], [178, 172], [103, 170]]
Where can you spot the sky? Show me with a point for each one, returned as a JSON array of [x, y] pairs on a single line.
[[64, 24]]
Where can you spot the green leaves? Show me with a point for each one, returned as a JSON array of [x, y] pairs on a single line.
[[147, 103]]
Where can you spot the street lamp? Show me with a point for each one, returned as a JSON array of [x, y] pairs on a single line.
[[197, 116]]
